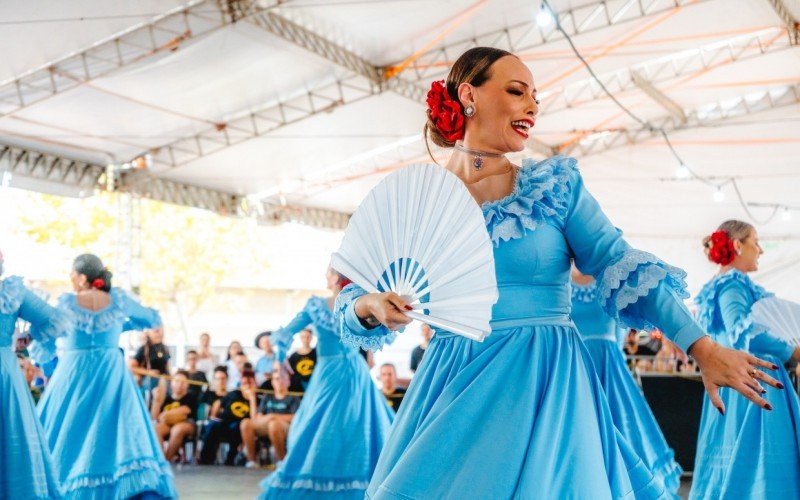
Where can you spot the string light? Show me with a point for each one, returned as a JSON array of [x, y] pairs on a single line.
[[544, 18], [786, 215], [719, 195], [682, 172]]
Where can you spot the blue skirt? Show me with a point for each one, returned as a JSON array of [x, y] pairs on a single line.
[[26, 470], [631, 413], [750, 452], [335, 437], [520, 415], [99, 430]]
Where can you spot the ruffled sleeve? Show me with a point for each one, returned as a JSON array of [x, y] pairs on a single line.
[[635, 288], [137, 316], [353, 333], [282, 337], [540, 196], [724, 307], [47, 323]]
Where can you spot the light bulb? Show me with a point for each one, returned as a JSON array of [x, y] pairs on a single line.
[[682, 172], [786, 215], [719, 196], [544, 18]]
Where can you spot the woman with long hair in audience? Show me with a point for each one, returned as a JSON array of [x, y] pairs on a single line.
[[745, 453], [96, 423], [521, 414], [26, 468], [206, 360], [338, 432], [630, 412]]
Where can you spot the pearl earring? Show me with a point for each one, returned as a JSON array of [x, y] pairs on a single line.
[[469, 111]]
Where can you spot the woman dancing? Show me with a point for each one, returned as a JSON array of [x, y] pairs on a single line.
[[343, 421], [26, 469], [747, 453], [94, 417], [629, 410], [463, 430]]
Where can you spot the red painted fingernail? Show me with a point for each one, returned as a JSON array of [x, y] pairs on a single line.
[[409, 308], [780, 386], [774, 366], [720, 411], [768, 406]]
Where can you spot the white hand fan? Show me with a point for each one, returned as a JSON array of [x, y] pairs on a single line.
[[780, 317], [420, 234]]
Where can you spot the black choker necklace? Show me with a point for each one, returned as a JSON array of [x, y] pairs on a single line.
[[477, 156]]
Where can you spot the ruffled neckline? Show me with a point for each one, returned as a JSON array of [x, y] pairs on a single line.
[[101, 320], [708, 314], [12, 292], [584, 293], [540, 194]]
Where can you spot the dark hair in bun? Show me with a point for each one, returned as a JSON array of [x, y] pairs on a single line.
[[96, 273]]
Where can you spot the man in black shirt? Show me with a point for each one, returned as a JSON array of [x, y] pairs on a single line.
[[195, 375], [274, 416], [218, 389], [302, 362], [226, 416], [176, 415], [393, 394], [416, 354], [153, 356]]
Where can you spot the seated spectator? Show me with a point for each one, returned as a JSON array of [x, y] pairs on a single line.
[[175, 414], [419, 351], [302, 362], [393, 394], [226, 416], [195, 374], [235, 365], [206, 360], [274, 416], [264, 363], [218, 388]]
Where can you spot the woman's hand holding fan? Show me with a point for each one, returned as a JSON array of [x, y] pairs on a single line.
[[419, 239]]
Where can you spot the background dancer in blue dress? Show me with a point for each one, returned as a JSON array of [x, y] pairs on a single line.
[[463, 431], [748, 453], [629, 410], [94, 417], [343, 421], [26, 469]]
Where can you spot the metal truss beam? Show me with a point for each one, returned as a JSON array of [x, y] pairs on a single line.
[[791, 23], [708, 115], [329, 50], [659, 97], [527, 35], [685, 63], [84, 176], [316, 43], [196, 19], [142, 183], [322, 99]]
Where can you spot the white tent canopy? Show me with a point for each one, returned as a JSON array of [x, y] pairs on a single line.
[[289, 103]]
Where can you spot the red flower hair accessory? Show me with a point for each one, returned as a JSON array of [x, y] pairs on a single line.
[[98, 283], [721, 249], [445, 112]]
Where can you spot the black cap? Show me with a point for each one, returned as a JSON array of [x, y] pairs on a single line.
[[262, 334]]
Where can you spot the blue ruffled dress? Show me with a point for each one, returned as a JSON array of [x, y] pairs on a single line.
[[26, 469], [749, 452], [96, 423], [629, 410], [341, 425], [522, 414]]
